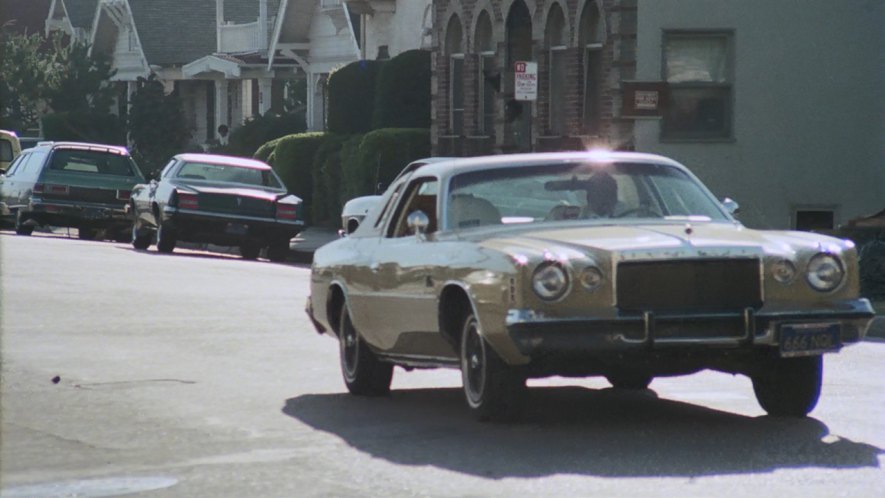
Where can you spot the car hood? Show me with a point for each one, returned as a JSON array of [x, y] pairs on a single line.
[[652, 241]]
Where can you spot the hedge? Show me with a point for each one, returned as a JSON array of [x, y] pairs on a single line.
[[381, 155], [265, 151], [247, 139], [352, 97], [327, 178], [84, 127], [402, 93], [293, 162]]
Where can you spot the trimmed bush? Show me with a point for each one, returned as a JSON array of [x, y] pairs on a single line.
[[381, 155], [402, 94], [292, 159], [352, 97], [266, 151], [327, 181], [78, 126], [247, 139]]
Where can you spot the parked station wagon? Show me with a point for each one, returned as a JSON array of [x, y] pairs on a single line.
[[69, 184], [612, 264]]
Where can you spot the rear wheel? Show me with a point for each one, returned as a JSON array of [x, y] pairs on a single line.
[[165, 238], [278, 251], [629, 380], [250, 250], [494, 391], [20, 227], [364, 374], [85, 233], [789, 387]]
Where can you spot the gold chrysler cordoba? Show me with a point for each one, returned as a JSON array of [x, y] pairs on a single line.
[[613, 264]]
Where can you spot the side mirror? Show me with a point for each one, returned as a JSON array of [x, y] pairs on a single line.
[[418, 222], [731, 206]]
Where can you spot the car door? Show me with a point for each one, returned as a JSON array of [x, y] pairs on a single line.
[[9, 184], [402, 265]]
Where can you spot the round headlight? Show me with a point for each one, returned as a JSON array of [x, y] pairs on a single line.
[[784, 271], [550, 281], [591, 278], [825, 272]]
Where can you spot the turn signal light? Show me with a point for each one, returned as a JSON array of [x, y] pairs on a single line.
[[287, 211], [123, 195]]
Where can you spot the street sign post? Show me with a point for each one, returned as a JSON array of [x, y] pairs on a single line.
[[525, 80]]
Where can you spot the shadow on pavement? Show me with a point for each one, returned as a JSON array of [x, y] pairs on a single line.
[[574, 430]]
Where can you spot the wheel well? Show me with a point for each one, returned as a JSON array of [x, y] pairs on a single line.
[[334, 303], [454, 306]]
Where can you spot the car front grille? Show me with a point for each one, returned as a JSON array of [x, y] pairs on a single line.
[[236, 204], [708, 285]]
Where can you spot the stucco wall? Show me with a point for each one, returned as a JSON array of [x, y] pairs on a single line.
[[809, 101]]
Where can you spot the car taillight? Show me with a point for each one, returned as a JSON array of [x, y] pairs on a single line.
[[123, 195], [188, 201], [38, 188], [287, 211], [57, 189]]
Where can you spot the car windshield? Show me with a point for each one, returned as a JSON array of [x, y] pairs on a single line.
[[92, 162], [577, 191], [228, 173]]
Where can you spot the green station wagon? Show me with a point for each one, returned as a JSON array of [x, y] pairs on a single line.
[[69, 184]]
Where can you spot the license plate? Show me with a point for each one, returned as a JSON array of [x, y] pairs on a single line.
[[236, 229], [806, 339]]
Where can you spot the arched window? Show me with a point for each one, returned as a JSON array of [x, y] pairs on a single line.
[[555, 38], [518, 115], [591, 37], [455, 53], [488, 79]]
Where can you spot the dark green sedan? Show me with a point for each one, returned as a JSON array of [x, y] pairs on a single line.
[[70, 184]]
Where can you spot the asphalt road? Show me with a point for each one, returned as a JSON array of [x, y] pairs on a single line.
[[192, 375]]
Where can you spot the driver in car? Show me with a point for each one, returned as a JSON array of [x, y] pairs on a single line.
[[602, 197]]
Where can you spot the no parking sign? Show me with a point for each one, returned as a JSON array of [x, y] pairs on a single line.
[[526, 80]]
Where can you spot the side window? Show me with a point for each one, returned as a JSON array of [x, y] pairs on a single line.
[[34, 165], [390, 203], [421, 195], [16, 164], [168, 169]]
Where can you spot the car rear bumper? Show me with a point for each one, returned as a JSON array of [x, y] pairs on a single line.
[[75, 214], [536, 335], [227, 229]]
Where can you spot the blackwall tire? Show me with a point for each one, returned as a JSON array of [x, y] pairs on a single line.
[[789, 387], [494, 391], [20, 227], [165, 239], [364, 374], [627, 380]]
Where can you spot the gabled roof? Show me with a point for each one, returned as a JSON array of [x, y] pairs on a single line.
[[175, 32]]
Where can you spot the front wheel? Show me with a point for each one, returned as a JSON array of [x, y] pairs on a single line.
[[789, 387], [494, 391], [364, 374], [140, 241]]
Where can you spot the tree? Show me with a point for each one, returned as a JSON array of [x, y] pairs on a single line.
[[156, 124], [24, 74], [79, 81]]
